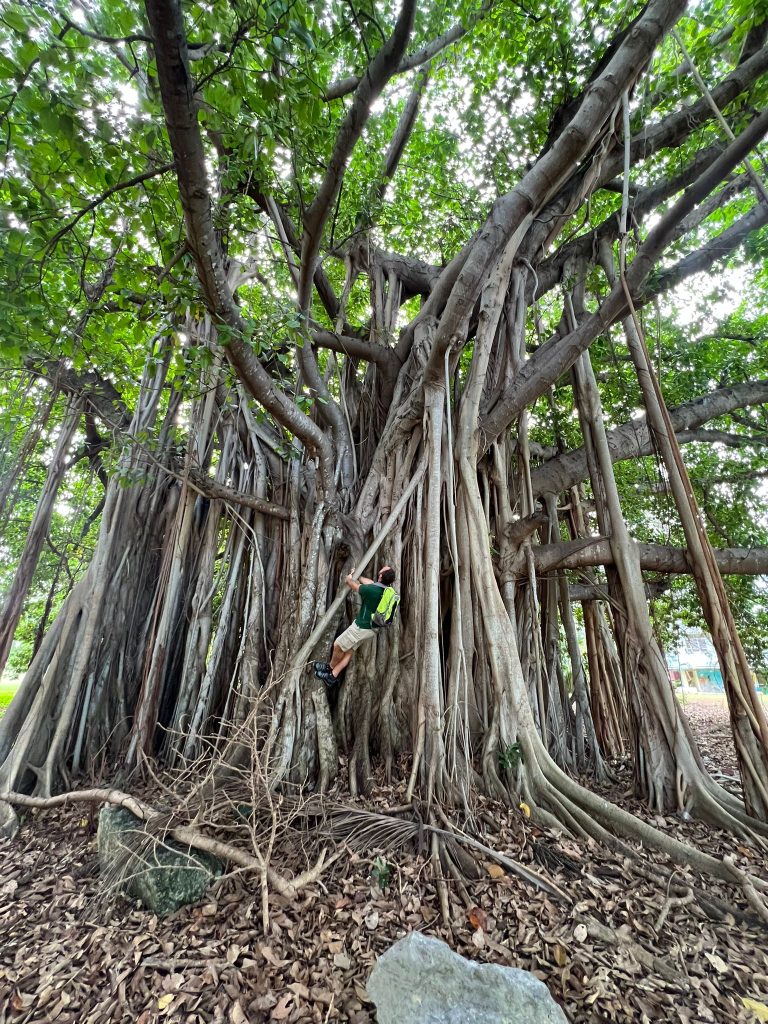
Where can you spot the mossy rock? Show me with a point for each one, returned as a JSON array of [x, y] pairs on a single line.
[[162, 874]]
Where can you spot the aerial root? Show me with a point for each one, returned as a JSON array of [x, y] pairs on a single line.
[[619, 938], [440, 884], [669, 903], [747, 883]]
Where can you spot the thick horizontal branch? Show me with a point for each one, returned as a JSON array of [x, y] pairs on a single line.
[[720, 437], [599, 591], [211, 488], [633, 439], [583, 554], [359, 348]]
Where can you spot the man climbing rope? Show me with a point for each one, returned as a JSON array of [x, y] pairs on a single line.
[[361, 629]]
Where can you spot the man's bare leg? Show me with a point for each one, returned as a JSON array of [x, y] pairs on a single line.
[[339, 660]]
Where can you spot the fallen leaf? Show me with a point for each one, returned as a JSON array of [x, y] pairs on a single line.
[[268, 953], [525, 809], [717, 962], [281, 1011], [495, 870], [372, 920], [477, 918], [580, 933], [760, 1010], [342, 960], [233, 953], [165, 1001], [209, 909], [236, 1013], [478, 938], [561, 955]]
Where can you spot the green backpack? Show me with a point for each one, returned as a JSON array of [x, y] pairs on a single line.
[[385, 609]]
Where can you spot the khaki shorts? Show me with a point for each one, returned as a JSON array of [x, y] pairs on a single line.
[[353, 636]]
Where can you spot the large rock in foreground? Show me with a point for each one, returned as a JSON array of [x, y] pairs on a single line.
[[161, 873], [421, 980]]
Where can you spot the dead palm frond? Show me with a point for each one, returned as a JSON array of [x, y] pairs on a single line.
[[361, 829]]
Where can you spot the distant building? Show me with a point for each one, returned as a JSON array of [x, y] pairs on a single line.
[[693, 665]]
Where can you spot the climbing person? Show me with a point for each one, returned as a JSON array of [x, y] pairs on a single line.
[[372, 594]]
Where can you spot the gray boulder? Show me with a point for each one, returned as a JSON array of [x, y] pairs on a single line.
[[420, 980], [162, 874]]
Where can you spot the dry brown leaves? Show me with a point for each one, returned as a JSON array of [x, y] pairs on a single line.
[[64, 960]]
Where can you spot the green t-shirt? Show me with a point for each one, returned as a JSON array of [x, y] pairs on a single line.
[[370, 595]]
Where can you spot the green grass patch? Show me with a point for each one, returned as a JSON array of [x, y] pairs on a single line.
[[7, 691]]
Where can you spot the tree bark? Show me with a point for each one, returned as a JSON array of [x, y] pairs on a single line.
[[13, 600]]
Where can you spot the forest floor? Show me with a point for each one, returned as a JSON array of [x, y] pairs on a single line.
[[68, 955]]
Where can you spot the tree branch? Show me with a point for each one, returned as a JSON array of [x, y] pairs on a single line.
[[359, 348], [378, 73], [137, 37], [558, 354], [682, 123], [724, 244], [593, 551], [182, 833], [177, 91], [633, 439], [210, 488], [344, 86], [512, 214], [120, 187], [720, 437]]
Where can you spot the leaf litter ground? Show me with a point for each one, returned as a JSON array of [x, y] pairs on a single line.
[[68, 956]]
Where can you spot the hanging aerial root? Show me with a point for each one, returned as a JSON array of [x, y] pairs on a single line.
[[287, 887]]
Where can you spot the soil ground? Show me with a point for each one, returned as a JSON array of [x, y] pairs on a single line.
[[69, 953]]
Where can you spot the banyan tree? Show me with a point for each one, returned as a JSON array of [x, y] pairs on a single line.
[[470, 289]]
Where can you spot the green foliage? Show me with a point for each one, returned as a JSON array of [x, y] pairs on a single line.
[[381, 873], [510, 757]]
